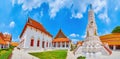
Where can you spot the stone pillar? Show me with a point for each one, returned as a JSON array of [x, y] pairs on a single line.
[[52, 45], [56, 44], [40, 43], [48, 44], [114, 47], [60, 44], [44, 44], [69, 45], [65, 44], [35, 44]]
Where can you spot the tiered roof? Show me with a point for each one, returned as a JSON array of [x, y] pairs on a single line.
[[35, 25], [7, 37], [79, 43], [111, 39], [4, 38], [60, 37]]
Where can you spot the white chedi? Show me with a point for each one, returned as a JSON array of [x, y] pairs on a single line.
[[92, 43]]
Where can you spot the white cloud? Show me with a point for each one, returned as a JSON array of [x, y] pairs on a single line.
[[17, 39], [98, 5], [104, 32], [116, 8], [55, 6], [78, 15], [104, 17], [13, 2], [41, 13], [77, 7], [74, 35], [6, 33], [30, 4], [12, 24], [75, 40], [83, 36]]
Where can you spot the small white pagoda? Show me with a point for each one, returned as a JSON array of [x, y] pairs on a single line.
[[92, 43]]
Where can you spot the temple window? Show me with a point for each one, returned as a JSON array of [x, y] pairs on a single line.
[[32, 42], [38, 43]]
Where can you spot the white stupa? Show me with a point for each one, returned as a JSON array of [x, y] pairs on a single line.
[[92, 43]]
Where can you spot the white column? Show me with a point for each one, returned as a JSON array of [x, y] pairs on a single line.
[[53, 44], [69, 45], [35, 43], [44, 44], [65, 44], [56, 44], [60, 44], [114, 47], [48, 44], [40, 43]]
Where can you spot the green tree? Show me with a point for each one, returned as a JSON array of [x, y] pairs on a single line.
[[116, 29]]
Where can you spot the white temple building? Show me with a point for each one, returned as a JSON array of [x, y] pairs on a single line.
[[61, 41], [92, 43], [34, 36]]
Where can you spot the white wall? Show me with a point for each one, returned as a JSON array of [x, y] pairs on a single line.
[[36, 35]]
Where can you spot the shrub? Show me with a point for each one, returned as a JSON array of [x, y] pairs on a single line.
[[116, 29], [72, 47], [81, 57]]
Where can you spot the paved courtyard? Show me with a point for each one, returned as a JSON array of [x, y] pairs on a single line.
[[114, 55], [21, 54]]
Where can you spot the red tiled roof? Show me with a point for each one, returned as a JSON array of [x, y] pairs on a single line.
[[61, 40], [60, 37], [60, 34], [7, 37], [36, 25], [2, 39], [79, 43]]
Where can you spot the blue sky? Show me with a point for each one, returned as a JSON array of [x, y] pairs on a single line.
[[69, 15]]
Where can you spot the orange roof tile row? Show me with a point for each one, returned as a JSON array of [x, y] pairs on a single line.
[[61, 40], [14, 44], [112, 43], [111, 39], [113, 35], [36, 25]]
